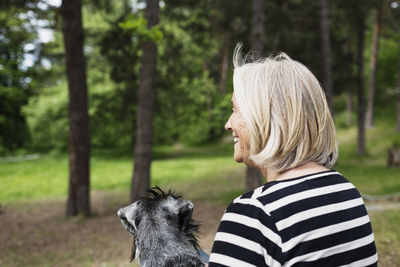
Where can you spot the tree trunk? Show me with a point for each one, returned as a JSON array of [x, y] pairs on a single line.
[[224, 69], [146, 99], [360, 89], [373, 63], [79, 141], [326, 52], [398, 97], [393, 157], [257, 27], [349, 91], [349, 107], [254, 178]]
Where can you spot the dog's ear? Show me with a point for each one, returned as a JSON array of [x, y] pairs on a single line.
[[185, 213]]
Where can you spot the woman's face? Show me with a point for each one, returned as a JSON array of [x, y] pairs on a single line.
[[237, 125]]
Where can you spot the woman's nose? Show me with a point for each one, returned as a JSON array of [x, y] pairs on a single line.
[[228, 125]]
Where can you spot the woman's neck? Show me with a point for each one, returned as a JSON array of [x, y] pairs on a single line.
[[306, 169]]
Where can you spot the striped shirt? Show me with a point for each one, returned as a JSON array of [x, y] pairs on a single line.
[[313, 220]]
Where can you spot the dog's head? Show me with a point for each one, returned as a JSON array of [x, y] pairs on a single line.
[[160, 212]]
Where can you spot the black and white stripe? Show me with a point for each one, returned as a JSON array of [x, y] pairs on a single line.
[[314, 220]]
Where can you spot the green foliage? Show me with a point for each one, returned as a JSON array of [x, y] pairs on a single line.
[[51, 108], [192, 38], [137, 26], [388, 70], [111, 77], [48, 119], [189, 108], [188, 101], [15, 79], [111, 102], [112, 121]]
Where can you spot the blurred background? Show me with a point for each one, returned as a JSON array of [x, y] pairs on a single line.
[[100, 99]]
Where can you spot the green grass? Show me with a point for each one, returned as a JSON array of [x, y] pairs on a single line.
[[41, 178], [369, 173], [385, 225], [47, 176]]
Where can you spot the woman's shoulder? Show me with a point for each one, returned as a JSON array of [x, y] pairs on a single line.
[[273, 195], [275, 200], [321, 181]]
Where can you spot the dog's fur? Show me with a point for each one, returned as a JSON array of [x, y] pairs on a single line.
[[163, 229]]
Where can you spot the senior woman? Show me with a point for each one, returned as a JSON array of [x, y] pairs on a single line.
[[306, 214]]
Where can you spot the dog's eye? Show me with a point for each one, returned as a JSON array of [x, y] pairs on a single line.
[[170, 217]]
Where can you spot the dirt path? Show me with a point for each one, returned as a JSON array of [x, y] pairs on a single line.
[[381, 206], [35, 234]]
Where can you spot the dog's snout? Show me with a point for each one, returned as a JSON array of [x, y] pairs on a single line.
[[121, 214], [127, 212]]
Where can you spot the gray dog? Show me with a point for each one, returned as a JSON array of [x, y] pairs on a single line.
[[163, 229]]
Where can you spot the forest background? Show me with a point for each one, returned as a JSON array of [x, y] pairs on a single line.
[[194, 69], [193, 87]]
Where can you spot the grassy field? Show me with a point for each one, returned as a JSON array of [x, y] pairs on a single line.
[[369, 173], [207, 174], [48, 176], [385, 225]]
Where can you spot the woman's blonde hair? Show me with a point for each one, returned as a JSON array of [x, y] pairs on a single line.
[[286, 113]]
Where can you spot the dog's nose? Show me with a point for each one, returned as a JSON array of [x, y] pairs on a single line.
[[121, 214]]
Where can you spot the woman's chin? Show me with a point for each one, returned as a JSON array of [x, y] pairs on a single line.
[[238, 158], [237, 154]]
